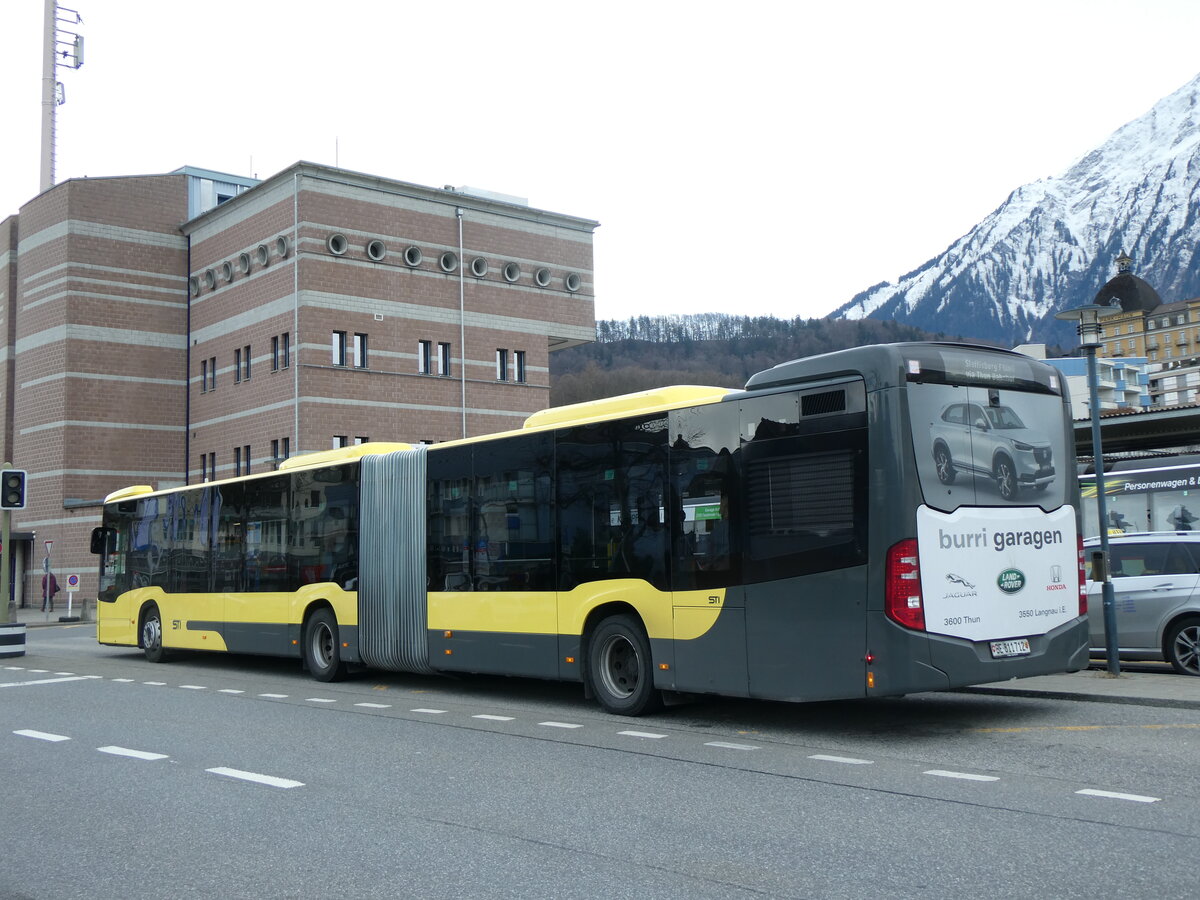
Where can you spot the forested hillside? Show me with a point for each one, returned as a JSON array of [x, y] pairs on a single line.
[[708, 348]]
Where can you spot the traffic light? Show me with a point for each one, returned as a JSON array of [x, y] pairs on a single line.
[[12, 489]]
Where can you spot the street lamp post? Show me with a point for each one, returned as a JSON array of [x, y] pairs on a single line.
[[1087, 319]]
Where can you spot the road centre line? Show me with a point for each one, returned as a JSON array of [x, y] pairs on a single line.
[[726, 745], [375, 705], [559, 725], [134, 754], [193, 687], [845, 760], [230, 691], [155, 683], [493, 718], [319, 700], [963, 776], [432, 712], [47, 680], [269, 780], [41, 735], [642, 734], [274, 696], [124, 680], [1112, 795]]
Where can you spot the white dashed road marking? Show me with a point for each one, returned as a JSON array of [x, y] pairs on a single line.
[[1136, 798], [375, 705], [41, 735], [47, 680], [642, 734], [726, 745], [494, 718], [432, 712], [559, 725], [193, 687], [274, 696], [845, 760], [230, 691], [269, 780], [319, 700], [965, 776], [134, 754]]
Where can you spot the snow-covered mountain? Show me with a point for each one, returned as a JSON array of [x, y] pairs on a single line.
[[1052, 243]]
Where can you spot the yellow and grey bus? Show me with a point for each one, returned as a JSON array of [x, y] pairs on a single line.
[[869, 522]]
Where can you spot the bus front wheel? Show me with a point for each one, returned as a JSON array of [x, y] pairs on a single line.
[[322, 647], [620, 668], [152, 635]]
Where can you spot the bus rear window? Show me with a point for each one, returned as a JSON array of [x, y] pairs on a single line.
[[979, 446]]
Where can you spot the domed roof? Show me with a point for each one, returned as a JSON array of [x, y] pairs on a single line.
[[1131, 292], [1134, 294]]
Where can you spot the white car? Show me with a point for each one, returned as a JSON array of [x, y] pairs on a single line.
[[1155, 578]]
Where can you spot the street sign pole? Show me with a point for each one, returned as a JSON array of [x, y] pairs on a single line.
[[6, 615]]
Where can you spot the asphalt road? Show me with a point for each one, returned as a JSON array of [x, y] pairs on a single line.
[[241, 777]]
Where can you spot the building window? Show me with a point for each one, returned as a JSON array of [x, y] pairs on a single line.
[[203, 467], [360, 351], [519, 365], [246, 458], [237, 366], [360, 439], [246, 362], [212, 373], [275, 353], [203, 375], [237, 460], [286, 351], [212, 466], [443, 359], [339, 348], [502, 365], [424, 351], [287, 447], [340, 440]]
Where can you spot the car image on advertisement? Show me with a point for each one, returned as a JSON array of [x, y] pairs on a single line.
[[992, 442], [1156, 592]]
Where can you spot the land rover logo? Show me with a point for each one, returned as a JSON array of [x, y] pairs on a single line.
[[1011, 580]]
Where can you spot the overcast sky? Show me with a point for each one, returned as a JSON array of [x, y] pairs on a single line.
[[765, 158]]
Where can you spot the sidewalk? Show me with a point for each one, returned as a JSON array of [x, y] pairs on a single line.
[[1142, 688], [33, 617]]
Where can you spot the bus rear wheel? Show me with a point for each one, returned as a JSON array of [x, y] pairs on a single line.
[[152, 635], [619, 667], [322, 647]]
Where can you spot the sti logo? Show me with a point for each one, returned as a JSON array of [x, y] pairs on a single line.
[[958, 579]]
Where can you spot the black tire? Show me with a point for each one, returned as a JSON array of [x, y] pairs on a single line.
[[620, 669], [1182, 646], [322, 647], [152, 635], [1006, 478], [944, 464]]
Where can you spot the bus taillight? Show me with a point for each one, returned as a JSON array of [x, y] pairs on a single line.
[[902, 598], [1082, 580]]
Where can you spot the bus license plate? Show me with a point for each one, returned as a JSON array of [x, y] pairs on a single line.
[[1010, 648]]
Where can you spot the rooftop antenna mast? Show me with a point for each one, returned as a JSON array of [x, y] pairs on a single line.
[[59, 48]]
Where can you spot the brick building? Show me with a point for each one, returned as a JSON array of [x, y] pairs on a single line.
[[174, 328]]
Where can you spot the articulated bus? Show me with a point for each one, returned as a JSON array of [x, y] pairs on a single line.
[[865, 523]]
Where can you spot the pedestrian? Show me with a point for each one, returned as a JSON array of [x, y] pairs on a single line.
[[48, 592]]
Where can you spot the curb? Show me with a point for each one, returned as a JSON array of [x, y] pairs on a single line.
[[1163, 702]]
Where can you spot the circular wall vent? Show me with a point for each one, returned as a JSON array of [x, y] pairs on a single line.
[[542, 277], [413, 257], [376, 250], [244, 263], [194, 285], [448, 262], [227, 271], [511, 271], [210, 279], [281, 247], [262, 254], [479, 267], [572, 281], [337, 244]]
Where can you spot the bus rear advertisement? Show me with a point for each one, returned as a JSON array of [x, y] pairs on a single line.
[[870, 522]]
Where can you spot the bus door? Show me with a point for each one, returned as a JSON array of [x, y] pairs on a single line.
[[707, 599]]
